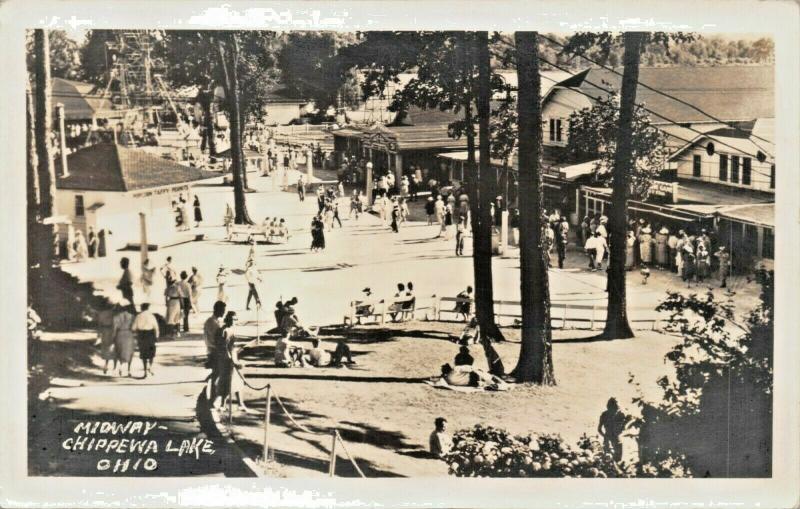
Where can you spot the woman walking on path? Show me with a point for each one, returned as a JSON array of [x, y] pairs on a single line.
[[81, 248], [703, 262], [195, 282], [198, 212], [222, 278], [229, 381], [105, 328], [146, 278], [630, 258], [172, 294], [145, 326], [123, 336], [125, 284], [689, 266], [317, 234]]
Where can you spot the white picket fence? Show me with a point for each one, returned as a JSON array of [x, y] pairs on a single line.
[[563, 315]]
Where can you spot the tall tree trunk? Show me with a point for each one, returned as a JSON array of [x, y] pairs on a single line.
[[232, 101], [242, 123], [43, 233], [44, 159], [33, 196], [482, 235], [617, 326], [208, 121], [32, 177], [535, 358], [43, 125]]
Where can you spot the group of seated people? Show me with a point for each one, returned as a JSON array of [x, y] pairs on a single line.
[[402, 304], [463, 373], [288, 323], [288, 354], [404, 301], [276, 229]]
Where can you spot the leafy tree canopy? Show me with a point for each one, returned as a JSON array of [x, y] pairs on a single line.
[[311, 66], [65, 61], [593, 135]]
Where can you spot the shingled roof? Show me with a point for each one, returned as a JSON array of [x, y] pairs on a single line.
[[111, 167], [730, 93]]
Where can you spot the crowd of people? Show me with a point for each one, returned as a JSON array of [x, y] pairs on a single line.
[[687, 254], [180, 207]]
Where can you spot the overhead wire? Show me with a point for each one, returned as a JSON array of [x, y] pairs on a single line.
[[662, 93], [673, 135]]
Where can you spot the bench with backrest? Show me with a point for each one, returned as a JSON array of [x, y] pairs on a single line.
[[403, 308], [249, 232], [454, 309], [268, 233]]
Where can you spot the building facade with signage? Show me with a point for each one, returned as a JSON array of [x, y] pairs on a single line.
[[106, 187]]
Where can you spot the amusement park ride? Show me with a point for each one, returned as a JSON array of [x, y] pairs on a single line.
[[136, 86]]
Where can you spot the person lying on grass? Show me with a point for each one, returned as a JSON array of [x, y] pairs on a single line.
[[469, 376], [318, 357]]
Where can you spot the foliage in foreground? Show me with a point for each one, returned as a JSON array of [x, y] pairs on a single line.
[[716, 415], [484, 451]]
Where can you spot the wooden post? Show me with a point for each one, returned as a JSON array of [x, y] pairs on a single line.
[[564, 317], [62, 139], [503, 231], [266, 423], [258, 331], [143, 246], [591, 324], [332, 469]]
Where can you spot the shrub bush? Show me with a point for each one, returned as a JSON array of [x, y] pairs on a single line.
[[484, 451]]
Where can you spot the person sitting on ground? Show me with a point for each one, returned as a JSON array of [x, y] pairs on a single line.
[[471, 333], [342, 352], [464, 306], [464, 358], [458, 376], [316, 356], [279, 311], [291, 324], [287, 354], [440, 441]]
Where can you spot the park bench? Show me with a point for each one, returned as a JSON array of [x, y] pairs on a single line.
[[404, 307], [438, 310], [251, 232]]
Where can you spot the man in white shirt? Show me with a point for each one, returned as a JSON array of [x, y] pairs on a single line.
[[168, 271], [252, 277], [591, 249], [440, 441]]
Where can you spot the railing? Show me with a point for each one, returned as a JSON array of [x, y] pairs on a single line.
[[563, 315]]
